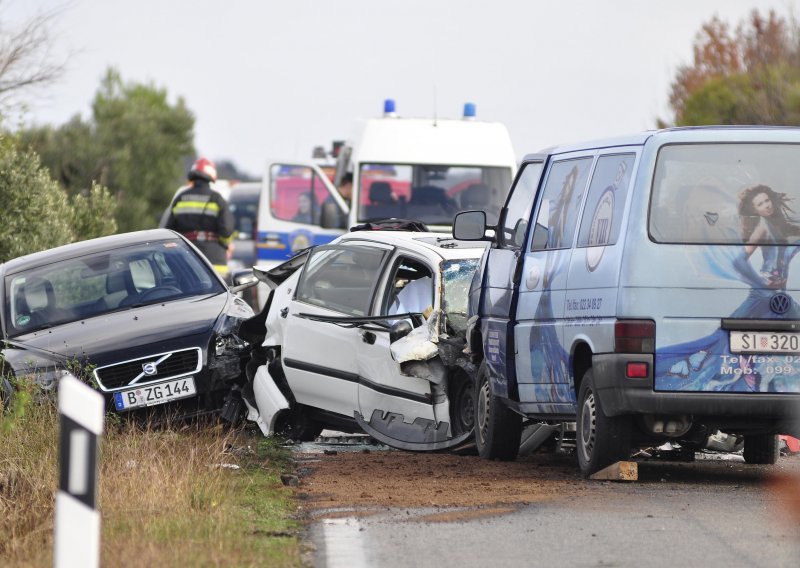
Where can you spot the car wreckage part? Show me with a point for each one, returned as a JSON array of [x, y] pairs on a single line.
[[497, 428], [420, 435], [269, 402], [601, 440]]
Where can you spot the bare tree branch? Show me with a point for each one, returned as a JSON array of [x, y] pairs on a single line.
[[26, 58]]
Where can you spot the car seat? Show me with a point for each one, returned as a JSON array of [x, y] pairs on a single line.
[[382, 204], [119, 285], [430, 204]]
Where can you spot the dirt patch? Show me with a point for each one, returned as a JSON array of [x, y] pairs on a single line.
[[356, 483], [464, 515], [404, 479]]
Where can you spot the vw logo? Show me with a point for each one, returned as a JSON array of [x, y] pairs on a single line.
[[150, 369], [780, 303]]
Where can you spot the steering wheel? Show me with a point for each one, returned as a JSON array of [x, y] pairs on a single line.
[[158, 292]]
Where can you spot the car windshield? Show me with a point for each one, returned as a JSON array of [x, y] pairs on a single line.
[[432, 194], [91, 285], [729, 194], [457, 277]]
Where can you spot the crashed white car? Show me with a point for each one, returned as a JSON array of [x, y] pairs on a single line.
[[368, 334]]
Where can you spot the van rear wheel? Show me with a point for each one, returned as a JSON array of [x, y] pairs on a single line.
[[497, 428], [761, 448], [601, 440]]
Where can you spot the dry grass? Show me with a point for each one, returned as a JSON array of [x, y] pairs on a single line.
[[168, 496]]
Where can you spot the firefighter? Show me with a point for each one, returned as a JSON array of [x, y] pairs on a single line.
[[201, 214]]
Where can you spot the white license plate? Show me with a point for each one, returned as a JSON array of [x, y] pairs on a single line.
[[764, 342], [150, 395]]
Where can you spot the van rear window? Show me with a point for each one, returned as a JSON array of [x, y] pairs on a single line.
[[730, 194]]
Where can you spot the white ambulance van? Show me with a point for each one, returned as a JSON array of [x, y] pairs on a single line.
[[422, 169]]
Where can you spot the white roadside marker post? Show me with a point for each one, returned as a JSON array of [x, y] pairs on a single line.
[[77, 522]]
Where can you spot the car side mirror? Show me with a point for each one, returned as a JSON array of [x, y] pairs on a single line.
[[399, 330], [470, 226], [243, 279]]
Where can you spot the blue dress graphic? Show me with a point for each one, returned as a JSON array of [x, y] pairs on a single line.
[[707, 364]]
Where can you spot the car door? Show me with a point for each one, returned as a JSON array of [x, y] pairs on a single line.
[[322, 345], [502, 270], [543, 380], [402, 395]]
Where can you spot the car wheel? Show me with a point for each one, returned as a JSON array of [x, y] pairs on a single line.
[[296, 424], [601, 440], [497, 427], [761, 448], [462, 405]]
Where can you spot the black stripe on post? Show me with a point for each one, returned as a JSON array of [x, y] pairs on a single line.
[[78, 478]]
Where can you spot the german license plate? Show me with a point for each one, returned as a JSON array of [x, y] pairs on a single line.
[[764, 342], [151, 395]]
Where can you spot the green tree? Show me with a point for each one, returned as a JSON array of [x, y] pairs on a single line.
[[136, 144], [750, 77], [145, 141]]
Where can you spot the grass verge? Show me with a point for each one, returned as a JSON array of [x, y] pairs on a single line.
[[174, 496]]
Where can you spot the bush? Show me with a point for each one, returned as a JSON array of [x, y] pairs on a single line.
[[36, 212]]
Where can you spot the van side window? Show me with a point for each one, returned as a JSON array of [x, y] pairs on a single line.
[[518, 210], [602, 213], [558, 207]]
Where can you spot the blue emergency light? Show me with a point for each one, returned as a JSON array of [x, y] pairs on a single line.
[[469, 110], [388, 107]]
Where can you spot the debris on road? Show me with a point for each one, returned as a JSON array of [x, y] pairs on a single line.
[[620, 471]]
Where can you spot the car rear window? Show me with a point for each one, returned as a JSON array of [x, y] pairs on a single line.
[[726, 193]]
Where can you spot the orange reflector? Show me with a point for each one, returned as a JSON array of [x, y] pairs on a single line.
[[636, 371]]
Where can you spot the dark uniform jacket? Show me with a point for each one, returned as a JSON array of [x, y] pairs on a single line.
[[202, 215]]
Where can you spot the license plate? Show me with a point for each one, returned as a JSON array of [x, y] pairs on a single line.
[[151, 395], [764, 342]]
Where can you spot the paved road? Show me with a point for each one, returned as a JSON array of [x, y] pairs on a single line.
[[707, 513]]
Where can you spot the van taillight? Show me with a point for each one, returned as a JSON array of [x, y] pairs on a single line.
[[634, 336]]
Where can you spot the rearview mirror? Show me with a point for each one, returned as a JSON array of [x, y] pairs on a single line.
[[470, 226], [399, 330], [243, 279]]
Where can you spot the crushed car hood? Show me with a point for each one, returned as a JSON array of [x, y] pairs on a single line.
[[135, 332]]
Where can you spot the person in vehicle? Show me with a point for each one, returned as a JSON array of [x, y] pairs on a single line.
[[201, 214], [331, 212], [304, 214]]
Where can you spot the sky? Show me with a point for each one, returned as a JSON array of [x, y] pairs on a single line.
[[271, 79]]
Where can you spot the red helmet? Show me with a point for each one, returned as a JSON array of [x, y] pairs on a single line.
[[203, 168]]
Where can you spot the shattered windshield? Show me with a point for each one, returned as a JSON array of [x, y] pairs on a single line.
[[429, 193], [457, 277], [77, 288]]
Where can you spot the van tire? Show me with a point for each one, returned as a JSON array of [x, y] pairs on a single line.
[[498, 429], [601, 440], [761, 449]]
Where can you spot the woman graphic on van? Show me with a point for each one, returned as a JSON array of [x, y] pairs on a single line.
[[768, 223]]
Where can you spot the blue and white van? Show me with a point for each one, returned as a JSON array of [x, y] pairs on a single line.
[[643, 287]]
